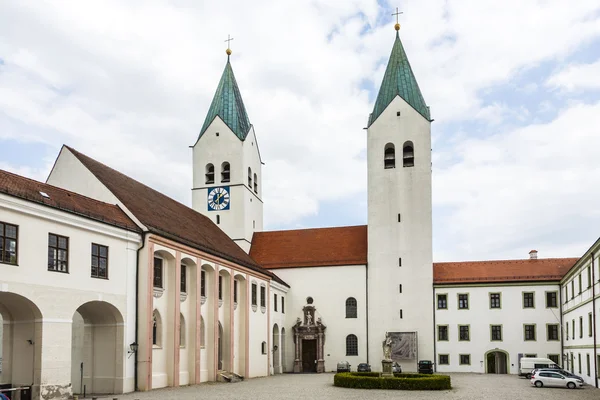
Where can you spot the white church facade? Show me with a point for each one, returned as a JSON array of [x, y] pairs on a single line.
[[145, 292]]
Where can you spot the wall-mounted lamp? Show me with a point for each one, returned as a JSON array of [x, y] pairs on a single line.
[[133, 348], [275, 348], [30, 341]]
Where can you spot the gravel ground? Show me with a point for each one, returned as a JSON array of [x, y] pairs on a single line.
[[290, 386]]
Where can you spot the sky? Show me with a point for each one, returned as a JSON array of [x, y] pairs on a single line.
[[513, 87]]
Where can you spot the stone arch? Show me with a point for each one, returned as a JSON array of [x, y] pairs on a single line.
[[98, 337], [276, 350], [497, 361]]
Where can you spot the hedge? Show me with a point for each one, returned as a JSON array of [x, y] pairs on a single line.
[[372, 380]]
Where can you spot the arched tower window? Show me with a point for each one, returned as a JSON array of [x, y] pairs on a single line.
[[210, 173], [225, 172], [181, 331], [249, 177], [351, 307], [389, 156], [408, 154], [351, 345], [156, 328], [255, 184]]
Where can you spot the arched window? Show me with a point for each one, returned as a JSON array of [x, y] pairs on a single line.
[[210, 173], [408, 154], [263, 347], [389, 156], [255, 184], [351, 345], [225, 172], [249, 177], [351, 307], [156, 329], [181, 331], [202, 332]]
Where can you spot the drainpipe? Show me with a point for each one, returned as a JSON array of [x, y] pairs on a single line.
[[137, 301], [435, 364], [594, 323], [367, 304]]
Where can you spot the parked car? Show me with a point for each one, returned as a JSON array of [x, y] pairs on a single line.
[[560, 371], [363, 367], [396, 368], [425, 367], [554, 379], [343, 366], [528, 364]]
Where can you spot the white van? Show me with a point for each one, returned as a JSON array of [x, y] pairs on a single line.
[[527, 364]]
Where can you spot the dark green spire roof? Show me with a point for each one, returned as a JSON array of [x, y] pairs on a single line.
[[228, 105], [399, 80]]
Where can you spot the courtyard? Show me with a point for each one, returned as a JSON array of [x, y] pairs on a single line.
[[320, 386]]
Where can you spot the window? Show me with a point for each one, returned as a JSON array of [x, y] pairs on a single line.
[[218, 219], [580, 327], [203, 283], [552, 333], [465, 359], [255, 184], [235, 291], [463, 332], [389, 156], [181, 331], [158, 272], [443, 359], [156, 328], [496, 333], [58, 253], [551, 300], [530, 355], [282, 305], [573, 326], [263, 347], [99, 261], [580, 287], [183, 284], [275, 301], [400, 288], [263, 296], [408, 155], [8, 243], [529, 332], [351, 345], [351, 307], [567, 326], [579, 361], [225, 172], [442, 301], [566, 293], [442, 332], [528, 300], [250, 177], [495, 300], [587, 360], [573, 289], [589, 276], [220, 287], [210, 173], [590, 324], [463, 301], [254, 300], [555, 358]]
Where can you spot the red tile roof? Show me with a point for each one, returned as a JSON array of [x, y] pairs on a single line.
[[168, 218], [348, 246], [64, 200], [310, 247]]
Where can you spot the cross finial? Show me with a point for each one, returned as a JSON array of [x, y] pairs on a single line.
[[397, 13], [228, 40]]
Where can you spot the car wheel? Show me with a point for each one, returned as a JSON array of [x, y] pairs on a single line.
[[538, 384], [528, 376], [571, 385]]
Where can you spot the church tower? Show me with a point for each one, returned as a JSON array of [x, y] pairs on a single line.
[[227, 184], [400, 266]]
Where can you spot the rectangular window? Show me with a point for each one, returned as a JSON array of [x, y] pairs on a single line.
[[573, 326], [235, 291], [203, 283], [567, 326], [8, 243], [528, 300], [580, 286], [444, 359], [552, 333], [496, 333], [254, 297], [555, 358], [275, 301], [566, 294], [589, 276], [99, 261], [579, 361], [465, 359], [442, 301], [463, 332], [58, 253], [530, 355], [573, 289], [587, 361], [263, 296], [183, 283], [158, 272], [220, 287], [529, 332], [400, 288], [551, 301], [495, 300], [580, 327], [590, 324], [463, 301], [282, 305], [442, 332]]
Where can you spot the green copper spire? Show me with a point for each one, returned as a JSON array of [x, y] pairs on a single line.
[[399, 80], [228, 105]]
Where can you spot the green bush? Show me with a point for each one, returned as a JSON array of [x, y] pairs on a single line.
[[372, 380]]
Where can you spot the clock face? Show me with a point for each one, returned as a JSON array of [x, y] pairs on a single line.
[[218, 198]]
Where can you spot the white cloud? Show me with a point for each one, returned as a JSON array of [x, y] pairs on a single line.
[[577, 77]]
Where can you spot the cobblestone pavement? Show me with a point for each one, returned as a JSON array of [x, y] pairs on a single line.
[[290, 386]]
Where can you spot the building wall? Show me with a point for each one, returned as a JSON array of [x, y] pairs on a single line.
[[329, 287], [479, 317], [404, 191], [281, 333]]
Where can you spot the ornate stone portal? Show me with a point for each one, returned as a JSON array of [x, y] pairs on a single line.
[[309, 338]]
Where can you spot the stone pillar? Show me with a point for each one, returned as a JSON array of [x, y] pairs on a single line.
[[197, 348], [215, 294], [177, 320], [52, 359], [320, 360], [231, 324], [298, 360]]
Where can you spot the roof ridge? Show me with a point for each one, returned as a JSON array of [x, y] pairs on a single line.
[[313, 229], [506, 260]]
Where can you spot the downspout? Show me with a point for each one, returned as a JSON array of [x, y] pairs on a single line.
[[137, 301], [594, 323], [367, 303], [435, 364]]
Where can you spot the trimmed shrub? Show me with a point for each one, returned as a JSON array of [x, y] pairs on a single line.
[[372, 380]]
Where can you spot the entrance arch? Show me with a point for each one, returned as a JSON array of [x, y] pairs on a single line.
[[97, 349], [496, 362], [276, 350], [21, 347]]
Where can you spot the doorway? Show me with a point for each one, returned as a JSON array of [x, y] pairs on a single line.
[[496, 362], [309, 355]]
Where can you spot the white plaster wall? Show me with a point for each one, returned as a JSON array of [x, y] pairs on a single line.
[[258, 332], [279, 318], [329, 287], [512, 316], [405, 191]]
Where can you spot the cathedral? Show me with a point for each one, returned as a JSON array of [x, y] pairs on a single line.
[[109, 286]]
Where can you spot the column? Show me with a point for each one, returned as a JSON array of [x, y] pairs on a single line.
[[177, 320], [145, 347], [51, 358], [231, 323], [215, 294], [247, 313], [198, 312]]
